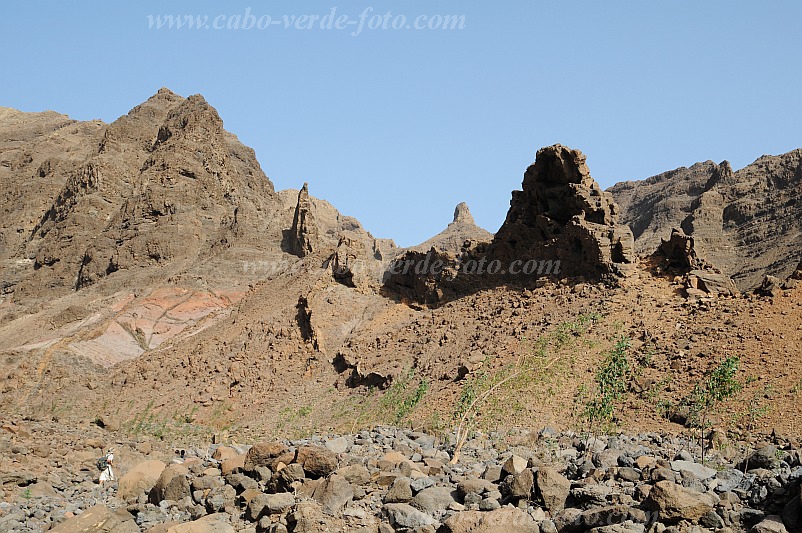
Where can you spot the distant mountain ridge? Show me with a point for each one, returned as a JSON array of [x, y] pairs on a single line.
[[747, 223]]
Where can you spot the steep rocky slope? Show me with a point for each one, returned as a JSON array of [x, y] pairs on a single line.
[[165, 185], [746, 222]]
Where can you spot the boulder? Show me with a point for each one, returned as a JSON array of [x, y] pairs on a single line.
[[173, 484], [337, 445], [264, 504], [475, 486], [403, 515], [700, 472], [213, 523], [316, 461], [612, 514], [506, 519], [553, 488], [400, 491], [522, 484], [514, 465], [232, 465], [675, 503], [333, 494], [770, 524], [224, 452], [728, 479], [711, 282], [139, 480], [41, 489], [265, 454], [355, 474], [433, 500], [207, 482], [241, 482], [221, 498], [99, 519], [307, 517], [770, 286]]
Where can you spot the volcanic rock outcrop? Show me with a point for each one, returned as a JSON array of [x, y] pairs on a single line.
[[347, 250], [561, 217], [562, 214], [462, 215], [700, 278], [679, 251], [745, 222], [303, 234]]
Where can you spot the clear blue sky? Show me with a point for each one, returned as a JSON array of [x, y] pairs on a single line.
[[396, 127]]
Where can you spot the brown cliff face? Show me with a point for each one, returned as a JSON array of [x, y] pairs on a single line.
[[746, 223], [38, 151]]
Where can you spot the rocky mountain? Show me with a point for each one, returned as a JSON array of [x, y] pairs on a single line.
[[461, 229], [744, 222], [158, 291], [164, 188], [118, 237]]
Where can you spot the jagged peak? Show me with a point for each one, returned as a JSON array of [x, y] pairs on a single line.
[[164, 95], [303, 233], [558, 164], [462, 214], [197, 98]]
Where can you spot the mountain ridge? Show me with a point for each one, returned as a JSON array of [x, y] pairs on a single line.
[[150, 265]]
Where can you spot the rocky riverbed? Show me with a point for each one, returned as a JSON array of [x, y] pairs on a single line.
[[390, 479]]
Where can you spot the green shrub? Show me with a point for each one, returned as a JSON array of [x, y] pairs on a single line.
[[612, 382]]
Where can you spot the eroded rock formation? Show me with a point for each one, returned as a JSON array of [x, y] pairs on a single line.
[[303, 234], [679, 251], [563, 214], [462, 215], [561, 218]]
